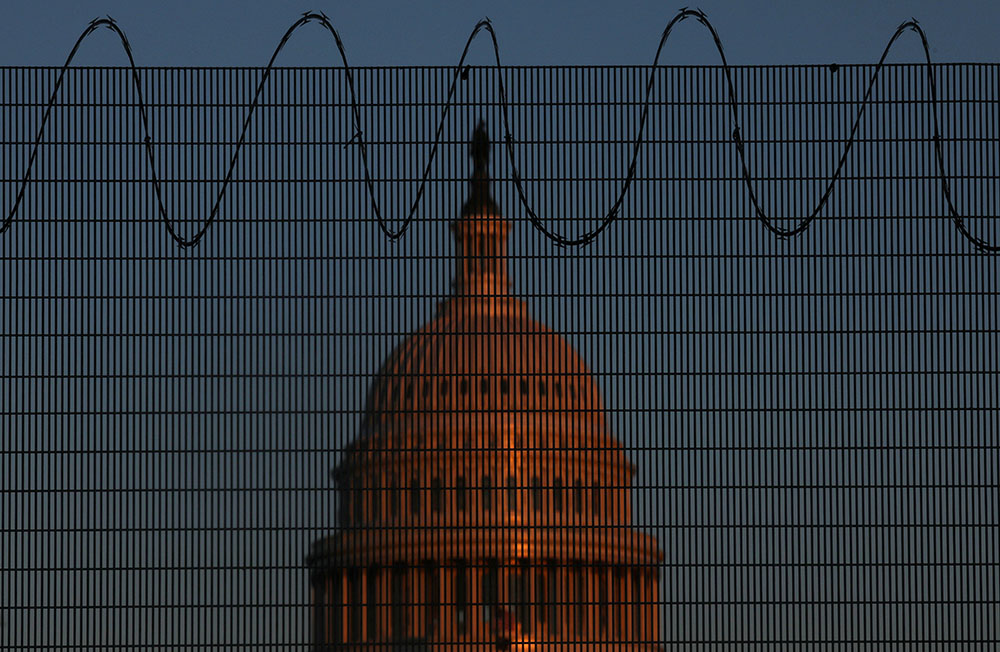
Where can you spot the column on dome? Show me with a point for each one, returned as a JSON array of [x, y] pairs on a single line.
[[592, 579], [398, 592], [417, 600], [554, 593], [618, 603], [567, 610], [527, 597], [432, 593], [463, 598], [539, 596], [384, 595], [362, 596], [477, 599], [372, 609], [447, 630], [604, 616], [344, 607], [578, 593]]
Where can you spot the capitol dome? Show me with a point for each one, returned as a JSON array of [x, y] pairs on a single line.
[[483, 499], [470, 359]]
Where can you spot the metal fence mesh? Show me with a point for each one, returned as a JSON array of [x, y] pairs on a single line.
[[812, 421]]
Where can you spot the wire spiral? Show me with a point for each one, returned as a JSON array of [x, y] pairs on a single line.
[[485, 25]]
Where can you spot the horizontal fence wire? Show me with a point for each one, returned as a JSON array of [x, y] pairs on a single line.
[[689, 433]]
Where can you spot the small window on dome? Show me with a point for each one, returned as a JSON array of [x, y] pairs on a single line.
[[437, 495], [542, 388], [524, 387], [393, 497], [460, 493], [572, 390], [463, 386], [426, 389], [409, 391], [558, 388], [487, 494], [504, 386], [536, 494], [557, 495], [414, 496], [444, 387], [484, 386]]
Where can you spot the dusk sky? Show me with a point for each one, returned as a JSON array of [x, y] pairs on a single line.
[[813, 420], [188, 33]]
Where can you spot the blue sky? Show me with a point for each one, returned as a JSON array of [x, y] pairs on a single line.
[[186, 33]]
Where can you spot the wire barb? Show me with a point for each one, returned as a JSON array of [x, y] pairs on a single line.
[[462, 72]]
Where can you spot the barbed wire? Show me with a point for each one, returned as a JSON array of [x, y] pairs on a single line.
[[485, 25]]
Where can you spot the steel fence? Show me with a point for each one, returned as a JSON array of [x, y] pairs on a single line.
[[689, 432]]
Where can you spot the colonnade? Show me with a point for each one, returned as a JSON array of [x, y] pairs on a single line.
[[461, 601]]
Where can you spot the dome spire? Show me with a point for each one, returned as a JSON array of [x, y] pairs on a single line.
[[481, 232], [480, 201]]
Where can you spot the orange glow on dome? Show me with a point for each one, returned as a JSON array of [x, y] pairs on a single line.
[[484, 487]]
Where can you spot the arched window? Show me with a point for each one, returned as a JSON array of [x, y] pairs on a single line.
[[460, 493], [511, 493], [595, 498], [393, 497], [437, 495], [536, 494], [414, 496], [487, 493], [557, 495], [376, 500], [578, 496]]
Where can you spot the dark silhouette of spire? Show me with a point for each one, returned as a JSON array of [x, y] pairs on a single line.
[[481, 231], [480, 201]]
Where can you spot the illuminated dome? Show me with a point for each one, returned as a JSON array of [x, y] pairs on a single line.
[[484, 499], [471, 359]]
